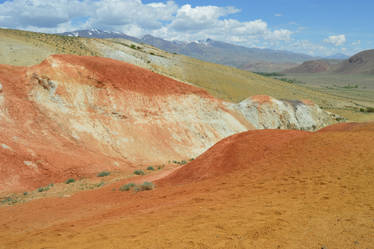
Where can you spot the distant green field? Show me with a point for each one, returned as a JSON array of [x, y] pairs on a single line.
[[363, 81]]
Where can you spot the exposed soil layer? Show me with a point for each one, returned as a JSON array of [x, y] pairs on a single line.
[[74, 116], [258, 189]]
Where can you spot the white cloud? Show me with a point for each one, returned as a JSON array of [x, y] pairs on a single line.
[[166, 19], [356, 43], [162, 18], [336, 40]]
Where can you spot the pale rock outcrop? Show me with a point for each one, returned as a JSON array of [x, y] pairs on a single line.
[[265, 112]]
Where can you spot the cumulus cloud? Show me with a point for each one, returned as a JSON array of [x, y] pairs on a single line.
[[336, 40], [165, 19]]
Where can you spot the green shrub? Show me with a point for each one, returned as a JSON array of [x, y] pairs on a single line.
[[132, 46], [137, 187], [144, 187], [269, 74], [150, 168], [362, 109], [139, 172], [127, 187], [147, 186], [25, 193], [46, 188], [103, 173], [98, 185], [370, 109], [70, 180]]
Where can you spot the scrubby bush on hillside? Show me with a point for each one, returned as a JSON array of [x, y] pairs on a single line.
[[70, 180], [150, 168], [137, 187], [144, 187], [127, 187], [139, 172], [103, 173], [46, 188], [370, 109]]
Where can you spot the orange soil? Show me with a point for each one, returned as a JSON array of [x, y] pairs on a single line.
[[259, 189]]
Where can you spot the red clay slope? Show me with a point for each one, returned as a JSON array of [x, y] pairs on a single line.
[[244, 150], [234, 153], [262, 189]]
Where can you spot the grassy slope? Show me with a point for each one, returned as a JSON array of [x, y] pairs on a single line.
[[221, 81]]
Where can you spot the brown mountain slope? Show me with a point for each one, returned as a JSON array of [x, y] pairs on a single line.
[[362, 62], [310, 67], [259, 189]]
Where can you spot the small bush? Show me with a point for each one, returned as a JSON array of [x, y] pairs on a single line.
[[9, 200], [103, 173], [150, 168], [132, 46], [127, 187], [98, 185], [137, 187], [46, 188], [70, 180], [147, 186], [183, 162], [25, 193], [139, 172], [362, 109], [370, 109]]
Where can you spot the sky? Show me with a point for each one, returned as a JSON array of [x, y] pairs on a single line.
[[314, 27]]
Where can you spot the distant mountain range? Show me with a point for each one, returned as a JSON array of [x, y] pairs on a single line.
[[338, 56], [254, 59], [361, 63]]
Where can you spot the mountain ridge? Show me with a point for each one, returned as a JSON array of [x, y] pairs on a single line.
[[208, 50]]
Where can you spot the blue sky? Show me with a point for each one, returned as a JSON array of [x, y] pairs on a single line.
[[314, 27]]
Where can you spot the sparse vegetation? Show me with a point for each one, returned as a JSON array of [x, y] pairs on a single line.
[[270, 74], [145, 186], [103, 174], [367, 109], [70, 180], [127, 187], [370, 109], [150, 168], [350, 86], [98, 185], [139, 172], [9, 200], [183, 162], [137, 187], [46, 188]]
